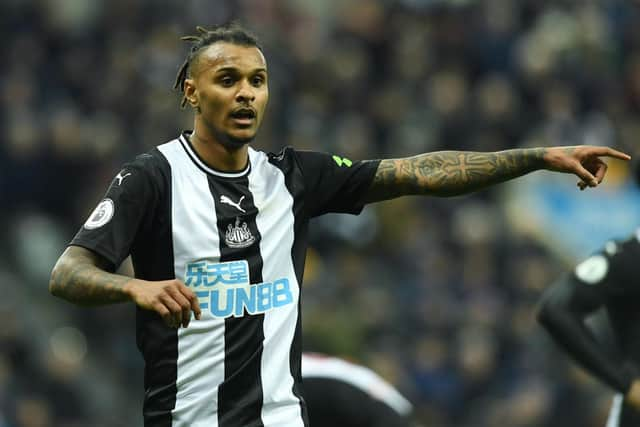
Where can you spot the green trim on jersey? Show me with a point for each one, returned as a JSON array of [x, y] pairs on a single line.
[[342, 161]]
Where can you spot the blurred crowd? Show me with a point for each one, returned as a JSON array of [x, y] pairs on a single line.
[[437, 295]]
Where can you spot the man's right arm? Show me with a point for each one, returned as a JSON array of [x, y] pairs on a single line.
[[80, 277]]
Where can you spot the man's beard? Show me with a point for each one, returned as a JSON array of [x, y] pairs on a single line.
[[232, 142], [228, 141]]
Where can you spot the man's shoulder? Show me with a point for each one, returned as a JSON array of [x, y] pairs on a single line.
[[149, 168], [155, 158], [284, 154], [149, 161], [618, 263], [286, 159], [304, 158], [170, 143]]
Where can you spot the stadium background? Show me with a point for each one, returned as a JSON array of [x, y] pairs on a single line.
[[436, 295]]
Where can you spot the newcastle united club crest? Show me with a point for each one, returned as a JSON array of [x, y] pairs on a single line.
[[239, 235]]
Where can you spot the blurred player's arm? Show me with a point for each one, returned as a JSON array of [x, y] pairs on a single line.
[[562, 312], [81, 277], [452, 173]]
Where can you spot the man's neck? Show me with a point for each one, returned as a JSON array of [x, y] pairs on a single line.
[[217, 155]]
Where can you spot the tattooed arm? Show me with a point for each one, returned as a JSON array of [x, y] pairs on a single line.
[[451, 173], [79, 276]]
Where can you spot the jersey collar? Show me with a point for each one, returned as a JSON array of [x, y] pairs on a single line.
[[193, 155]]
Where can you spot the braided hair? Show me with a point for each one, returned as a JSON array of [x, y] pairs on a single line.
[[231, 33]]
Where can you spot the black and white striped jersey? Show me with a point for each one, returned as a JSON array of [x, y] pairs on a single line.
[[238, 240]]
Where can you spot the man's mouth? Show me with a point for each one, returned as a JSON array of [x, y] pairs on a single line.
[[243, 116]]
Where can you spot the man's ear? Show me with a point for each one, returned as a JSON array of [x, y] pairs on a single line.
[[191, 93]]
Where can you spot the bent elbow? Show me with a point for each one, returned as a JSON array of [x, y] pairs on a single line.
[[54, 287], [56, 280]]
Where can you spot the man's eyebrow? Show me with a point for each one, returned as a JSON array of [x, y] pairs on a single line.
[[236, 70]]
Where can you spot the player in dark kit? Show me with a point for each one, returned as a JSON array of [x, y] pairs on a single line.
[[607, 279], [341, 393], [217, 231]]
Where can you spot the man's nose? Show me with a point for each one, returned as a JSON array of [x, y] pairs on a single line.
[[245, 93]]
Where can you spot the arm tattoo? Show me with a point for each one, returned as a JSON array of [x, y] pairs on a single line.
[[79, 277], [451, 173]]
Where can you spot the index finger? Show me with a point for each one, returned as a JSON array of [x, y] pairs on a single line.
[[193, 301], [610, 152]]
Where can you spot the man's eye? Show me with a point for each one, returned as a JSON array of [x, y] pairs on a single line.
[[226, 81], [257, 81]]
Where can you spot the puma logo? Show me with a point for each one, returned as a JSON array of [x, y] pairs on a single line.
[[121, 177], [228, 201]]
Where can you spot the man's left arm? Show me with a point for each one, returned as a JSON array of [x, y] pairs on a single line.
[[452, 173]]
